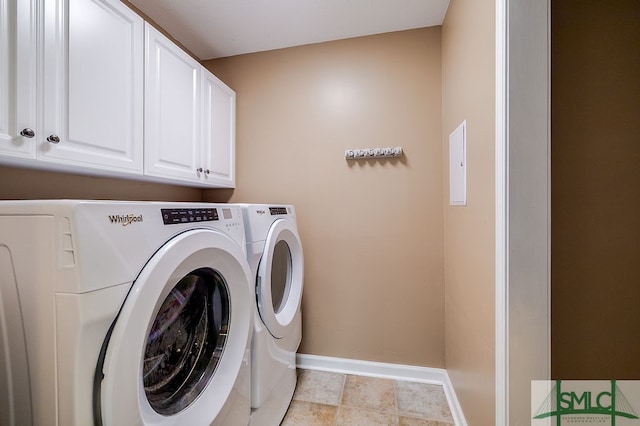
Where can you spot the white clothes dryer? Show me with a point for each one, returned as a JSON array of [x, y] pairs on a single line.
[[276, 260], [124, 313]]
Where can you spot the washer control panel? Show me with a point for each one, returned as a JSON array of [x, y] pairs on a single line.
[[186, 215]]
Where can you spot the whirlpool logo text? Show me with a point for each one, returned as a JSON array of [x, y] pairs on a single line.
[[125, 219]]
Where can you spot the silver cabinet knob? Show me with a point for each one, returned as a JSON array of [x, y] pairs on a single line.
[[53, 139], [199, 170], [27, 133], [207, 171]]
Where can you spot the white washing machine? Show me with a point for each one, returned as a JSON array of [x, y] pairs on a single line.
[[276, 261], [124, 313]]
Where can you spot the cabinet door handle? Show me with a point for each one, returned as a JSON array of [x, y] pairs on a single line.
[[53, 139], [27, 133], [207, 171], [199, 170]]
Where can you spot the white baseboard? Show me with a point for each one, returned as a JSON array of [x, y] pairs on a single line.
[[410, 373]]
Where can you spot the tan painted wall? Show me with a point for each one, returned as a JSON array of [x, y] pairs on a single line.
[[595, 189], [18, 183], [468, 94], [371, 230]]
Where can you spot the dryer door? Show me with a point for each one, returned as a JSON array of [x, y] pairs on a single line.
[[177, 346], [280, 278]]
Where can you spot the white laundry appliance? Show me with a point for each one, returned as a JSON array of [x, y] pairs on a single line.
[[276, 259], [124, 313]]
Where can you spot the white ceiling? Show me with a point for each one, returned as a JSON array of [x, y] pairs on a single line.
[[220, 28]]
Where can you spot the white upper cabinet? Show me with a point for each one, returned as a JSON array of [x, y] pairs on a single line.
[[172, 107], [218, 131], [78, 86], [189, 118], [93, 85], [18, 28]]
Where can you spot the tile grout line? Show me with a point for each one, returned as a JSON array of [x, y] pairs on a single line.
[[344, 383], [395, 397]]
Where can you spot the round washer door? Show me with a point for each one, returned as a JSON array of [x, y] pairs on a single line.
[[279, 280], [180, 339]]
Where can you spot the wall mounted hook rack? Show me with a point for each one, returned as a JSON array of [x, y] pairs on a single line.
[[366, 153]]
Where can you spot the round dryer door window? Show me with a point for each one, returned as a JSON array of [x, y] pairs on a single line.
[[280, 278], [280, 275], [186, 341]]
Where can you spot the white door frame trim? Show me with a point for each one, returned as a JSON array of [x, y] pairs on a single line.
[[522, 191], [501, 226]]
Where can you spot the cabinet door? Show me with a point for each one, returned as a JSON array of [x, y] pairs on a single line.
[[92, 85], [218, 131], [172, 110], [18, 26]]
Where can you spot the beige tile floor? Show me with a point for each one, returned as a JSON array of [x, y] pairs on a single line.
[[332, 399]]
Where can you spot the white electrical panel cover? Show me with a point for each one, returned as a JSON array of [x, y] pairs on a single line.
[[458, 166]]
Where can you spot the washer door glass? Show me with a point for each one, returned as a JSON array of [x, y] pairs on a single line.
[[186, 341]]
